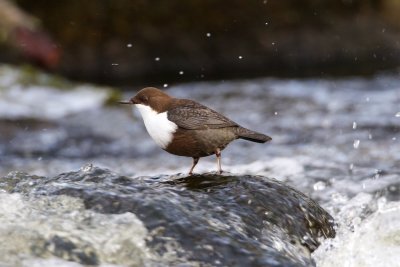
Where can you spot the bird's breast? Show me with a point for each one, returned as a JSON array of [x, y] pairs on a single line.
[[157, 125]]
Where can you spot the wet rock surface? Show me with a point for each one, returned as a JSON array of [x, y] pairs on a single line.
[[208, 220]]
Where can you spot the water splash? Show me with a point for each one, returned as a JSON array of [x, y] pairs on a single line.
[[356, 143]]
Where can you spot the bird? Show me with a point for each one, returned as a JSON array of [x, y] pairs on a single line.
[[184, 127]]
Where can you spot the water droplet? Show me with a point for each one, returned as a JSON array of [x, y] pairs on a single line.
[[318, 186], [354, 125], [39, 158], [266, 23], [351, 166], [367, 99], [394, 138], [165, 85], [157, 59], [397, 114], [369, 136], [273, 43], [276, 112], [114, 64], [208, 34], [249, 201], [129, 45], [356, 143], [240, 57], [181, 72]]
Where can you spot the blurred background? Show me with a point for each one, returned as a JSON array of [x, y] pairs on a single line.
[[139, 42]]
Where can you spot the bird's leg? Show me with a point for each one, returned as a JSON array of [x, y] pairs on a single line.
[[218, 154], [195, 160]]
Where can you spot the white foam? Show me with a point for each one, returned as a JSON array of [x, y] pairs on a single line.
[[44, 101], [363, 238], [29, 223], [276, 167]]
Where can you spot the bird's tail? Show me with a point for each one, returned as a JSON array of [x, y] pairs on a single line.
[[250, 135]]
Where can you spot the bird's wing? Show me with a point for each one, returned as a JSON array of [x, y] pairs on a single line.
[[194, 116]]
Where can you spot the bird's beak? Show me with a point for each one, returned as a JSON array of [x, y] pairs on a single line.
[[125, 102], [131, 101]]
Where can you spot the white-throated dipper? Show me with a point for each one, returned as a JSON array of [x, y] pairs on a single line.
[[186, 128]]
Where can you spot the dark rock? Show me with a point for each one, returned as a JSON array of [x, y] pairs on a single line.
[[226, 220], [64, 248]]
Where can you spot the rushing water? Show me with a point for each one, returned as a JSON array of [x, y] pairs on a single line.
[[335, 140]]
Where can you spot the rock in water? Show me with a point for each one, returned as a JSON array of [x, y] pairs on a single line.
[[208, 219]]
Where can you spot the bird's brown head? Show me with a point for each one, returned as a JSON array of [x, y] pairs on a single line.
[[152, 97]]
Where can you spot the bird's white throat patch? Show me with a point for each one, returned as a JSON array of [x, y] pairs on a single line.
[[157, 125]]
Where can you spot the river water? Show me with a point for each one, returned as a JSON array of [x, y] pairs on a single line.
[[335, 140]]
